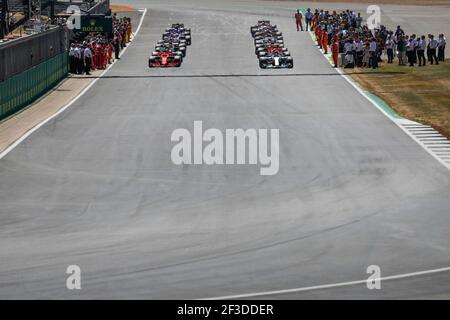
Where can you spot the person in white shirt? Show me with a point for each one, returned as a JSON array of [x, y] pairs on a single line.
[[421, 46], [72, 59], [348, 47], [330, 30], [359, 48], [415, 47], [308, 18], [410, 51], [433, 46], [389, 45], [349, 54], [441, 47], [87, 59], [373, 61], [79, 66]]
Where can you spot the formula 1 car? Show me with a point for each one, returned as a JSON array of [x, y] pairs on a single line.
[[275, 59], [180, 26], [176, 37], [164, 59], [178, 30], [173, 37], [273, 49], [268, 39], [260, 35], [171, 46], [267, 32], [261, 45], [260, 25]]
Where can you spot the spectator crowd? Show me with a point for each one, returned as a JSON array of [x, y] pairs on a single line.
[[92, 51], [354, 44]]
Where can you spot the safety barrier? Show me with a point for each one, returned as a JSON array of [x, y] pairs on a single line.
[[22, 54], [22, 89]]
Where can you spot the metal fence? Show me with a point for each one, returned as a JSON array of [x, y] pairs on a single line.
[[22, 89], [21, 54]]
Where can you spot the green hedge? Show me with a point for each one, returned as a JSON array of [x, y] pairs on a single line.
[[22, 89]]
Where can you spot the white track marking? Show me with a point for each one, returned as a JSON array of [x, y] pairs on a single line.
[[329, 286], [36, 127], [398, 123]]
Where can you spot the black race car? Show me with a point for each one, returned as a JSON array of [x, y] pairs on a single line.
[[275, 58], [172, 46], [178, 30]]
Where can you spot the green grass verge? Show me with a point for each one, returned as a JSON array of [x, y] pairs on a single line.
[[419, 94]]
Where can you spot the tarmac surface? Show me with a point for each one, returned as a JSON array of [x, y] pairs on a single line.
[[95, 187]]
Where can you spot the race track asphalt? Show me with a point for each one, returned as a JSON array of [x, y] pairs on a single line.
[[96, 187]]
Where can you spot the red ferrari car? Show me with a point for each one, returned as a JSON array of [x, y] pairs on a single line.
[[164, 59]]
